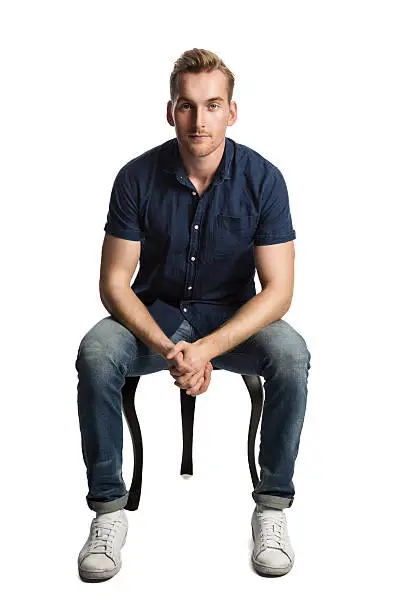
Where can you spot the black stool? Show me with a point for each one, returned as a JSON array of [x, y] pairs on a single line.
[[254, 385]]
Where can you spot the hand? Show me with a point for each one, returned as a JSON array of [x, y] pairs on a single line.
[[199, 383], [193, 371], [203, 377], [195, 356], [177, 365], [204, 383]]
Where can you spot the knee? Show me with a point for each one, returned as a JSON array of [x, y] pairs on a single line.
[[296, 353], [93, 354], [102, 345], [300, 351], [293, 355], [89, 351]]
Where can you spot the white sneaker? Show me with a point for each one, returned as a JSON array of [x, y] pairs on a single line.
[[100, 557], [272, 554]]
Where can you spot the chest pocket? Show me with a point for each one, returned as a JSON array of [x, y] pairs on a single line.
[[235, 224], [234, 235]]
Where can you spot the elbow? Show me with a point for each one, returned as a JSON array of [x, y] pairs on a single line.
[[287, 306], [287, 301], [109, 292], [282, 297], [103, 297]]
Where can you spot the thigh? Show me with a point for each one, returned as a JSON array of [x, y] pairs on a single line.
[[277, 344], [115, 342]]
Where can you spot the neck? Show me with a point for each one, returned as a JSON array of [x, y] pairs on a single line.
[[202, 168]]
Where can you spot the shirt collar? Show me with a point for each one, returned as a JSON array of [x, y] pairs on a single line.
[[172, 162]]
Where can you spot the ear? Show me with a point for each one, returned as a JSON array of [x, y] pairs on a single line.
[[170, 119], [232, 115]]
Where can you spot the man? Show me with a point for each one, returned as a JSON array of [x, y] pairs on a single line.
[[208, 212]]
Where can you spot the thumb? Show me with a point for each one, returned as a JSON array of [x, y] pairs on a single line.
[[179, 359], [175, 350]]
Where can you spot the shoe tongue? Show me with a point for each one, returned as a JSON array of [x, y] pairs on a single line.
[[102, 531], [108, 515]]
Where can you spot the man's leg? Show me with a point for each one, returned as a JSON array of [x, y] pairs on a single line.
[[279, 354], [107, 354]]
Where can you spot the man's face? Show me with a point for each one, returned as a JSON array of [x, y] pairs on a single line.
[[195, 112]]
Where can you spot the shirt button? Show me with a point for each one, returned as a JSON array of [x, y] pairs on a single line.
[[193, 259], [194, 193], [196, 227], [185, 309], [189, 287]]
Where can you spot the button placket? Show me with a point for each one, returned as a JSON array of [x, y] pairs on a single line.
[[201, 204]]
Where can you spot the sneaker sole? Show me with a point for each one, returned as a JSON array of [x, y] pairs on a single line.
[[95, 576], [265, 571]]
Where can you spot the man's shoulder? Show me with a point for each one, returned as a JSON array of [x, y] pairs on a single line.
[[254, 163]]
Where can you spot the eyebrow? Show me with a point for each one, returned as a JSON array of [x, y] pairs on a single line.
[[209, 99]]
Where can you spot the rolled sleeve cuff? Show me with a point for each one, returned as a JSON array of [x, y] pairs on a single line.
[[127, 234], [264, 239]]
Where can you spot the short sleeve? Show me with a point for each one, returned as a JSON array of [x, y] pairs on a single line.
[[123, 216], [275, 221]]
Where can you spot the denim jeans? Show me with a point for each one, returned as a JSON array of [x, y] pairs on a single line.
[[109, 352]]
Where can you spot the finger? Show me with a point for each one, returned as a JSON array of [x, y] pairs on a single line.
[[176, 349], [205, 385], [193, 381], [207, 379], [173, 353], [177, 371], [188, 380], [182, 366], [194, 390], [183, 379]]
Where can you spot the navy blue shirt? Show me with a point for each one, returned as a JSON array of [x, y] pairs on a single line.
[[197, 259]]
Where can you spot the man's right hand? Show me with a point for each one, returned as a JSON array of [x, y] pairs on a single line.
[[198, 383]]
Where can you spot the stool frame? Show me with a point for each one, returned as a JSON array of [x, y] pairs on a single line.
[[187, 402]]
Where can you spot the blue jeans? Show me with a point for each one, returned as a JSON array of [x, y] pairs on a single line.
[[109, 352]]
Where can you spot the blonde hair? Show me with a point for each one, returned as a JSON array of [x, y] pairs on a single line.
[[199, 60]]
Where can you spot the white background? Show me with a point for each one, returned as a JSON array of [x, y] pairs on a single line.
[[321, 93]]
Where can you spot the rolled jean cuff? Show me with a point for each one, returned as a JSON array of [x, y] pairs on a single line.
[[108, 506], [272, 501]]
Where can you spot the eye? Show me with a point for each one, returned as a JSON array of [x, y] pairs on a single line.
[[186, 104]]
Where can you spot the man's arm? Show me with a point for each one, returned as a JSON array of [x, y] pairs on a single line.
[[118, 263], [275, 267]]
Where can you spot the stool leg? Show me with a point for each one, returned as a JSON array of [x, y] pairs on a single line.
[[187, 420], [128, 398], [255, 388]]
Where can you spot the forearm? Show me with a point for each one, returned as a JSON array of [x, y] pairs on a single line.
[[127, 308], [264, 308]]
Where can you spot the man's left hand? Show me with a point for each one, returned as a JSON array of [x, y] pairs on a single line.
[[194, 355]]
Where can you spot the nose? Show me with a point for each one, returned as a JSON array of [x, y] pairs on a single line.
[[199, 119]]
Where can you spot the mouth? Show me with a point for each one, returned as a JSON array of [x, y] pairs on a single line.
[[198, 136]]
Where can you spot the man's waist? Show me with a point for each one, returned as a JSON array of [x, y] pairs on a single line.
[[177, 304]]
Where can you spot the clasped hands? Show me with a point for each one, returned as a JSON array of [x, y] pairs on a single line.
[[190, 367]]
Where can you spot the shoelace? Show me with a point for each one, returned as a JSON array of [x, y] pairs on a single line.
[[102, 536], [272, 527]]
